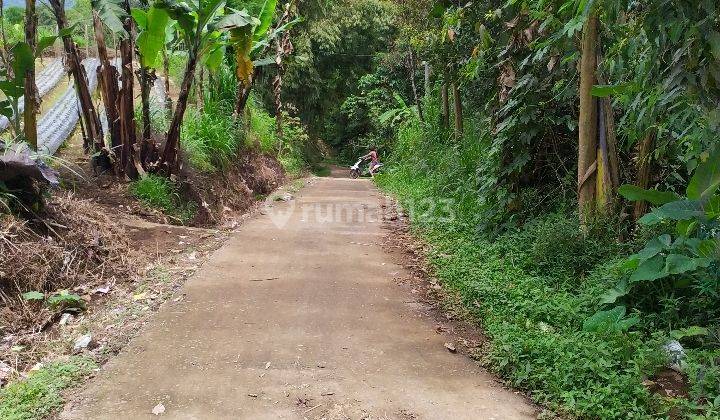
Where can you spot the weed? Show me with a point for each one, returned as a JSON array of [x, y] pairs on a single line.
[[161, 193], [40, 394]]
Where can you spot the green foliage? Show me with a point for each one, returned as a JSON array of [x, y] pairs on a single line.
[[292, 152], [39, 395], [210, 137], [64, 301], [334, 48], [537, 289], [161, 193], [33, 296], [112, 13], [151, 39]]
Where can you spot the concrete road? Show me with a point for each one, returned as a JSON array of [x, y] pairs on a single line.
[[298, 316]]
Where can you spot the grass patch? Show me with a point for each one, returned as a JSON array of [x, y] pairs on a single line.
[[40, 394], [161, 193], [210, 138]]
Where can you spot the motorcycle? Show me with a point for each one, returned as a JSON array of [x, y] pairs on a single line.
[[357, 171]]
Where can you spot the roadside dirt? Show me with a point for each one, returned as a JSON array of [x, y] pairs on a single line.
[[303, 313]]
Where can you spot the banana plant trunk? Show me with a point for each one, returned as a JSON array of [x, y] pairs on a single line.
[[31, 93], [108, 81], [147, 77], [643, 166], [126, 108], [94, 136], [169, 161], [166, 75], [587, 124], [244, 94], [608, 167]]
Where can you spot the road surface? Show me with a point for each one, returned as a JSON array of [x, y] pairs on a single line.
[[297, 316]]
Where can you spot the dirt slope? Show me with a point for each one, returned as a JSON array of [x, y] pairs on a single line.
[[298, 316]]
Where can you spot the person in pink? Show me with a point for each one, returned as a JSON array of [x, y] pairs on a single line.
[[374, 161]]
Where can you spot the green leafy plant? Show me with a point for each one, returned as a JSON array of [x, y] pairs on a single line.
[[691, 254], [66, 301], [41, 393], [33, 296], [613, 320]]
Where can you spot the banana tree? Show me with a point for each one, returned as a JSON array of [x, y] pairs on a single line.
[[32, 99], [94, 138], [248, 42], [152, 28], [109, 14], [194, 20], [21, 58]]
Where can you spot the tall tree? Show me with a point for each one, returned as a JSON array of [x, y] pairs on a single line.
[[587, 126]]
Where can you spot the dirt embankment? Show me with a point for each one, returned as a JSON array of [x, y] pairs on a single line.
[[96, 261], [221, 196]]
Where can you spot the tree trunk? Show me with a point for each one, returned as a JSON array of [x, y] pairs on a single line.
[[411, 70], [170, 154], [244, 94], [31, 93], [199, 89], [146, 79], [587, 125], [166, 75], [643, 171], [4, 50], [426, 65], [126, 108], [108, 82], [608, 167], [94, 137], [282, 47], [457, 105], [444, 96]]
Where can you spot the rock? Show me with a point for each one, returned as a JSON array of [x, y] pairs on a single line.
[[66, 319], [103, 290], [158, 409], [451, 347], [6, 371], [82, 342]]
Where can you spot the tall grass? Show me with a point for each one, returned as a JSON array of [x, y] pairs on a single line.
[[161, 193]]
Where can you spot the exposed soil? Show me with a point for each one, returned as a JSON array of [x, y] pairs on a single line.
[[221, 196], [121, 257], [452, 319]]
